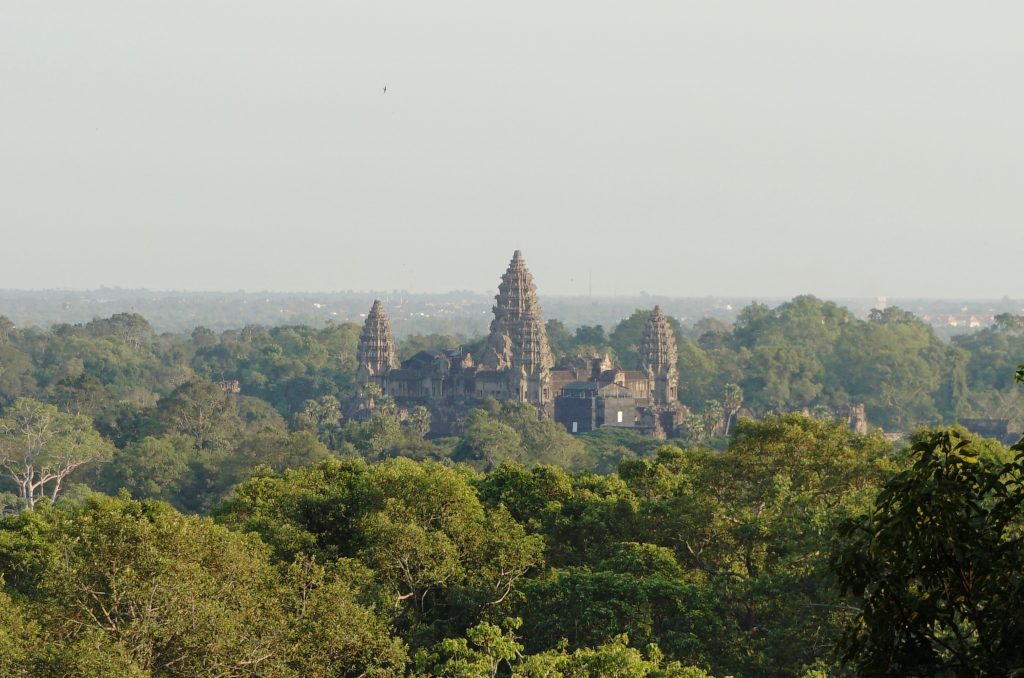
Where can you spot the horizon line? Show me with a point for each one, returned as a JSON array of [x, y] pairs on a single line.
[[392, 292]]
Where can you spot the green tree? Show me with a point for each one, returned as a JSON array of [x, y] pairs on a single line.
[[559, 338], [484, 650], [276, 450], [15, 373], [543, 441], [316, 414], [6, 328], [894, 366], [486, 441], [153, 468], [260, 416], [41, 446], [82, 394], [203, 337], [171, 595], [435, 546], [131, 328], [784, 351], [21, 648], [202, 411], [755, 521], [732, 401], [936, 569], [582, 516], [318, 512], [419, 421], [615, 659], [590, 334], [440, 559], [334, 634], [380, 436], [591, 606]]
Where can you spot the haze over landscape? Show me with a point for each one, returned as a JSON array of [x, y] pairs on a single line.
[[464, 340], [684, 148]]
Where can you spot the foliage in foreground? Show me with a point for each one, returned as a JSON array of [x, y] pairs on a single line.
[[120, 587], [937, 566], [718, 560], [683, 562]]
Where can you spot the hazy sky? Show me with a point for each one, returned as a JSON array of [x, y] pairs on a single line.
[[683, 148]]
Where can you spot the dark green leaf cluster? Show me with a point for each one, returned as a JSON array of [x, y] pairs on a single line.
[[936, 568]]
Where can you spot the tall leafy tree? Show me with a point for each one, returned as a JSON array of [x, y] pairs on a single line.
[[894, 365], [41, 446], [936, 568], [134, 588], [202, 411], [486, 441]]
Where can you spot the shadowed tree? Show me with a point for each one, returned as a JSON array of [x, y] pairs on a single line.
[[936, 569]]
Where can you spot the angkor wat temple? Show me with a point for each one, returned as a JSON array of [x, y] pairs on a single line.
[[583, 393]]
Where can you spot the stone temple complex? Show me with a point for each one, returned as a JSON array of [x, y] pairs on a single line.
[[517, 365]]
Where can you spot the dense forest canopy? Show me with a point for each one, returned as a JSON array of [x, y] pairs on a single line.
[[157, 525], [802, 354]]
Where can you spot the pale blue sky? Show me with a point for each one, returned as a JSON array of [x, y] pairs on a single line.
[[686, 148]]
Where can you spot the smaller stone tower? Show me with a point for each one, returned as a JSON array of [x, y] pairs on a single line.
[[658, 357], [377, 354], [858, 419]]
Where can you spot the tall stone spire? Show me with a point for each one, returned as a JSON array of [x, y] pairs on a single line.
[[376, 354], [518, 341], [658, 357]]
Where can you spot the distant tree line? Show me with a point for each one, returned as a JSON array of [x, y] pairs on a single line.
[[809, 354], [174, 434], [805, 354]]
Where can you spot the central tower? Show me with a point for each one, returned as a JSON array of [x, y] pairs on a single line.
[[376, 355], [518, 342], [658, 357]]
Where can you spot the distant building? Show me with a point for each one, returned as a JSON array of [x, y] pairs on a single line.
[[588, 405], [516, 362], [652, 390], [992, 428], [516, 365]]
